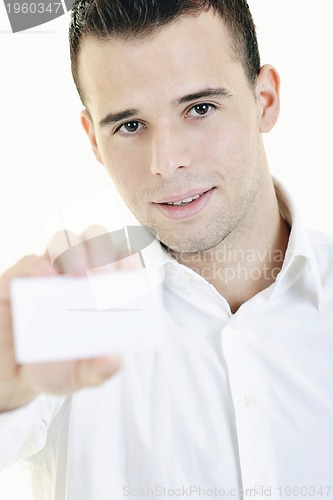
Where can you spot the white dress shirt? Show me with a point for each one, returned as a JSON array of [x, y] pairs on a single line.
[[234, 406]]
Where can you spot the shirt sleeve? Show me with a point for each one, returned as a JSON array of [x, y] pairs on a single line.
[[23, 432]]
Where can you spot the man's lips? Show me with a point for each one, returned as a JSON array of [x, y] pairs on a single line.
[[177, 198], [186, 205]]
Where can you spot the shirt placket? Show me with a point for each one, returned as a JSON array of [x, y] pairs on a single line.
[[247, 388]]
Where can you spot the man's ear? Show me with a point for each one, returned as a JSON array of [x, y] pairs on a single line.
[[89, 129], [268, 95]]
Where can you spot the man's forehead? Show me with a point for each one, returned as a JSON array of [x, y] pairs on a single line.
[[190, 47]]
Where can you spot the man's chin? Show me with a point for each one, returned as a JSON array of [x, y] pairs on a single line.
[[186, 248], [191, 241]]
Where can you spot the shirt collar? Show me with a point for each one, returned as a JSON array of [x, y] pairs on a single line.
[[300, 252], [299, 255]]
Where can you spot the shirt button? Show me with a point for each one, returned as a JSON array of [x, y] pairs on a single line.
[[234, 324], [249, 400], [260, 487]]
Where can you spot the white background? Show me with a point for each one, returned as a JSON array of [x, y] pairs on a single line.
[[46, 162]]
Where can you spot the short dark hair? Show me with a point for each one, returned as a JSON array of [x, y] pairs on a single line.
[[131, 19]]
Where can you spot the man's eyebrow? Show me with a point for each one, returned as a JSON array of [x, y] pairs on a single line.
[[111, 118], [206, 93], [203, 94]]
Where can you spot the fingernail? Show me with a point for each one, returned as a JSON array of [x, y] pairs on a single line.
[[110, 364]]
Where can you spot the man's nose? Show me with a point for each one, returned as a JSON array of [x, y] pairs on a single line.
[[170, 150]]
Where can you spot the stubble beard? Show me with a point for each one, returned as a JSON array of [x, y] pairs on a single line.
[[192, 237], [227, 222]]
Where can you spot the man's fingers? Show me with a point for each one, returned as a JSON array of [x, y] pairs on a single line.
[[97, 248], [13, 392], [67, 377], [20, 383], [31, 265], [68, 254], [8, 363], [89, 373], [102, 247], [73, 254]]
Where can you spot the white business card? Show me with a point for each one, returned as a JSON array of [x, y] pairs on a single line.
[[61, 317]]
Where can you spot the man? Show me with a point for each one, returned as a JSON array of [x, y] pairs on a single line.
[[239, 401]]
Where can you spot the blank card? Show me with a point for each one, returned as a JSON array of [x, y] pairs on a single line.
[[62, 318]]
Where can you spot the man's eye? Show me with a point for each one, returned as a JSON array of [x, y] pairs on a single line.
[[130, 128], [201, 109]]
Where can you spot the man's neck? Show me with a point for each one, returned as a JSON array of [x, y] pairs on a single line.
[[248, 260]]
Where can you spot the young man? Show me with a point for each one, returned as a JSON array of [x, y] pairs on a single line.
[[239, 401]]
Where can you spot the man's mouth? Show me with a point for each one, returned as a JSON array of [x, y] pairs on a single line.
[[184, 205], [182, 198], [183, 202]]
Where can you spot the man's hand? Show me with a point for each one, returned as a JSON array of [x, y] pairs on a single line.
[[20, 384]]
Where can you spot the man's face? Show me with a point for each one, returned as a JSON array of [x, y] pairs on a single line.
[[177, 125]]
